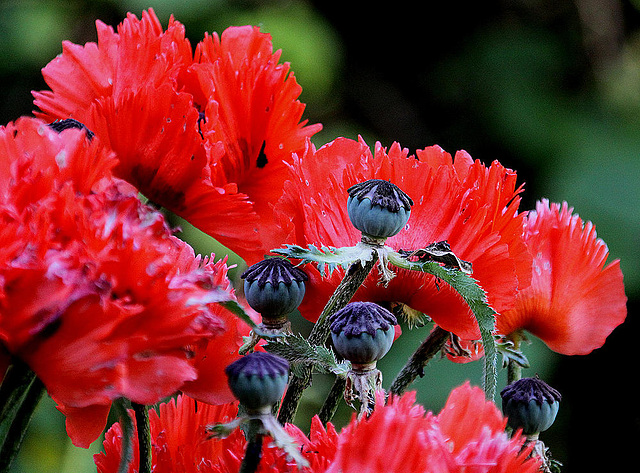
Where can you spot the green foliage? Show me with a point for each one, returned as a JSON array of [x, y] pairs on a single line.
[[327, 258], [475, 297], [297, 350]]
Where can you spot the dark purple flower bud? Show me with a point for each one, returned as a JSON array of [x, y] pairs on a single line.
[[258, 379], [378, 208], [274, 287], [362, 332], [530, 404]]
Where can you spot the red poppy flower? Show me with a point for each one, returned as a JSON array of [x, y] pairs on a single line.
[[574, 301], [468, 434], [472, 206], [399, 436], [96, 294], [203, 137], [179, 438], [180, 442]]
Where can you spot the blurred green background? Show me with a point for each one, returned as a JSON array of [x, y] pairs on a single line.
[[549, 88]]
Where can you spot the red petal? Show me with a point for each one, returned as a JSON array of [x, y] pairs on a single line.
[[474, 210], [85, 424], [574, 301]]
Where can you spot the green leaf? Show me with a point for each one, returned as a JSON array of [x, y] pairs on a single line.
[[297, 350], [509, 352], [475, 297], [237, 310], [327, 258]]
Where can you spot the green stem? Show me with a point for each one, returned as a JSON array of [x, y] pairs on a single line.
[[514, 369], [144, 436], [17, 426], [415, 365], [253, 452], [126, 424], [333, 398], [353, 279]]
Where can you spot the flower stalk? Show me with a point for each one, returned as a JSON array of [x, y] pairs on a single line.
[[126, 423], [514, 369], [253, 452], [143, 427], [353, 279], [330, 404], [415, 365]]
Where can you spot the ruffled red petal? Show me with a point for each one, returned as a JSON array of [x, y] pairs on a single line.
[[471, 206], [206, 138], [574, 301], [253, 111], [96, 294]]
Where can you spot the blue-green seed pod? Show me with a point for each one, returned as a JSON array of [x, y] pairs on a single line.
[[378, 208], [362, 332], [274, 287], [258, 379], [530, 404]]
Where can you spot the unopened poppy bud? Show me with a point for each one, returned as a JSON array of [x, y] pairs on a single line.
[[258, 380], [274, 287], [362, 332], [378, 208], [530, 404]]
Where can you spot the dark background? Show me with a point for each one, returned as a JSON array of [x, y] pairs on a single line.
[[549, 88]]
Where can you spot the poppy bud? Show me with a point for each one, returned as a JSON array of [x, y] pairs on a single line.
[[274, 288], [362, 332], [378, 208], [258, 380], [530, 404]]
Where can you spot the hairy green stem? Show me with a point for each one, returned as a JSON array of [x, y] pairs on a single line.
[[514, 369], [353, 279], [333, 398], [415, 365], [253, 452], [126, 424], [144, 436]]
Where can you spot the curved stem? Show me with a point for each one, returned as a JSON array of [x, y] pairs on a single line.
[[415, 365], [144, 436], [353, 279], [126, 424]]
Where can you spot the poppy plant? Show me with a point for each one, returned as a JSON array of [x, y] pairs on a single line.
[[202, 134], [97, 296], [575, 299], [181, 442], [457, 199], [398, 436], [467, 434]]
